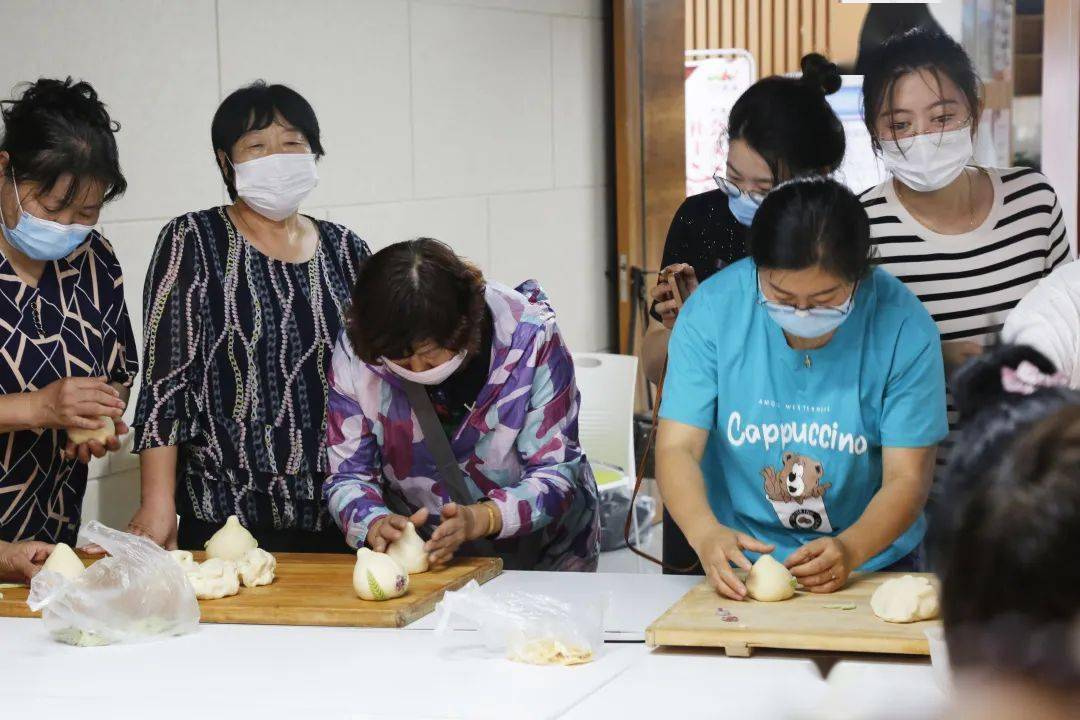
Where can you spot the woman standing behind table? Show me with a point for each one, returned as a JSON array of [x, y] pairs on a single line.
[[453, 404], [969, 241], [780, 128], [243, 304], [69, 354], [804, 401]]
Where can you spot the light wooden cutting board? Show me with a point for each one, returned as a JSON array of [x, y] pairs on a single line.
[[316, 589], [801, 623]]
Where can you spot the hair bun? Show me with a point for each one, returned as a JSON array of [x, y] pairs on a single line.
[[71, 98], [977, 384], [819, 73]]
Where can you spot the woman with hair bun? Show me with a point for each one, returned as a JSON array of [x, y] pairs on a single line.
[[69, 354], [780, 128], [1005, 538]]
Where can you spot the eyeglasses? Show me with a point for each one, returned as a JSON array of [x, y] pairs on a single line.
[[832, 311], [946, 126], [733, 190]]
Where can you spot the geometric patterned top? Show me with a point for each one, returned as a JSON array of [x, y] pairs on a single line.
[[237, 346], [73, 324]]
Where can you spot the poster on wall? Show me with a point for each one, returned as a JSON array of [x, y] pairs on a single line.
[[714, 81], [862, 168]]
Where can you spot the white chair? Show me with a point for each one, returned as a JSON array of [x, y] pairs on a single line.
[[606, 417]]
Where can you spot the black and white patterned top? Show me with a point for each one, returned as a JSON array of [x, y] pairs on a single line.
[[237, 346], [73, 324]]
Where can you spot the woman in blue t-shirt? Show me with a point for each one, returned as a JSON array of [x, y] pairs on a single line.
[[804, 399]]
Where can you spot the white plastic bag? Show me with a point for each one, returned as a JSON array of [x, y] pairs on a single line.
[[528, 627], [137, 593]]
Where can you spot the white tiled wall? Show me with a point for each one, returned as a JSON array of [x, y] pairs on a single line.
[[478, 122]]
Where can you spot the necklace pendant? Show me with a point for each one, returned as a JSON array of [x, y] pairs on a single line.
[[807, 362]]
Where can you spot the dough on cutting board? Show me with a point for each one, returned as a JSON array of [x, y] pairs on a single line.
[[377, 576], [63, 560], [905, 599], [184, 559], [214, 579], [81, 435], [257, 567], [231, 542], [769, 580], [408, 551]]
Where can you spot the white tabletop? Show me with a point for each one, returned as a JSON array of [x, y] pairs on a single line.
[[295, 672]]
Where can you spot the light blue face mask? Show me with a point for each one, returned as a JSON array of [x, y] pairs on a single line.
[[743, 208], [811, 322], [42, 239]]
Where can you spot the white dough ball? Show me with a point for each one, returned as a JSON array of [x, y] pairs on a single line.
[[769, 580], [81, 435], [905, 599], [214, 578], [231, 542], [408, 551], [63, 560], [257, 568], [378, 576]]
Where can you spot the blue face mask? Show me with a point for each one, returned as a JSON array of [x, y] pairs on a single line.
[[743, 208], [809, 323], [42, 239]]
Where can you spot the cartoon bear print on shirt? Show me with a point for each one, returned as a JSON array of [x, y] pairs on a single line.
[[797, 493]]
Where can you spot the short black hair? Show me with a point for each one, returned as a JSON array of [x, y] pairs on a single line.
[[917, 49], [58, 127], [1005, 536], [413, 292], [789, 122], [810, 222], [254, 107]]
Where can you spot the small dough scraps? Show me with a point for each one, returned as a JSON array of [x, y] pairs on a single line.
[[214, 579], [550, 651], [257, 568], [905, 599]]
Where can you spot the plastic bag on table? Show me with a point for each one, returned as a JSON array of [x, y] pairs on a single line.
[[136, 593], [528, 627]]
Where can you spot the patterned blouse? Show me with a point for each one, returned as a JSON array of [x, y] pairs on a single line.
[[73, 324], [518, 447], [237, 349]]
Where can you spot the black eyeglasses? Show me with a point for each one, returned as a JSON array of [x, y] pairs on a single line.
[[733, 190]]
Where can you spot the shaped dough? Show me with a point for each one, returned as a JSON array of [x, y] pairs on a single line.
[[231, 542], [213, 579], [257, 567], [184, 559], [905, 599], [81, 435], [377, 576], [408, 551], [63, 560], [769, 580]]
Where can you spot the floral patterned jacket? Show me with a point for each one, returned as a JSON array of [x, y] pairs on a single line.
[[518, 446]]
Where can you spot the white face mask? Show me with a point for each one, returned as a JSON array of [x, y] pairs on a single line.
[[432, 376], [930, 161], [275, 185]]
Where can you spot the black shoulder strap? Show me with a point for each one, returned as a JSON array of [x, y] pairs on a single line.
[[437, 443]]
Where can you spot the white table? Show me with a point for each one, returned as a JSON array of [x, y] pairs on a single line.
[[299, 672]]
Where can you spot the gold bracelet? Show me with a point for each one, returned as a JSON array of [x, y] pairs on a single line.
[[490, 507]]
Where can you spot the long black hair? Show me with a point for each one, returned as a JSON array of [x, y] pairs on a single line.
[[60, 127], [811, 222], [789, 122], [1005, 538]]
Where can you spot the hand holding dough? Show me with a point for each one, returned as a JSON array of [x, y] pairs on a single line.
[[408, 551], [63, 560], [257, 567], [905, 599], [215, 578], [378, 576], [769, 580], [231, 542], [81, 435]]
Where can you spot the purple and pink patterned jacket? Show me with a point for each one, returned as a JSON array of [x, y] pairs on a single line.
[[518, 447]]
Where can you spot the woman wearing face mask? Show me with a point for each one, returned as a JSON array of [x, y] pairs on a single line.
[[453, 404], [243, 304], [803, 402], [969, 241], [69, 352]]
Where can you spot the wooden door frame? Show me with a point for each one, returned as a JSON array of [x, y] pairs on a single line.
[[1061, 106]]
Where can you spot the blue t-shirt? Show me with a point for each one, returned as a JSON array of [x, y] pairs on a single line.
[[795, 439]]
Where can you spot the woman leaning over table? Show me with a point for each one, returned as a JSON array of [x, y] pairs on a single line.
[[804, 400], [243, 304], [501, 471], [69, 354]]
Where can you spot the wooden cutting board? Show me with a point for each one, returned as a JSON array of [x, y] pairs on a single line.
[[316, 589], [801, 623]]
